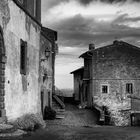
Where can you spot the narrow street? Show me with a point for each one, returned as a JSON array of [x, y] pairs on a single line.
[[76, 117]]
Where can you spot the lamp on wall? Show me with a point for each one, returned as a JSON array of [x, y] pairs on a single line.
[[47, 52]]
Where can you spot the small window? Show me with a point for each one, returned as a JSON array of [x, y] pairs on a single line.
[[129, 88], [23, 57], [104, 88]]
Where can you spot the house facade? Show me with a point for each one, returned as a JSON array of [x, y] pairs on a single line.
[[48, 52], [112, 73], [78, 85], [27, 56], [20, 44]]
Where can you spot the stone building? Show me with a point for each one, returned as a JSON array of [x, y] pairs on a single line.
[[111, 74], [23, 42], [47, 61], [78, 84], [20, 25]]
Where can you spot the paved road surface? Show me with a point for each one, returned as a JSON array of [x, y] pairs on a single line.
[[55, 132], [76, 117], [80, 125]]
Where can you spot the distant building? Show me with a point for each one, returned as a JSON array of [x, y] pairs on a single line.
[[47, 61], [27, 55], [78, 85], [111, 73]]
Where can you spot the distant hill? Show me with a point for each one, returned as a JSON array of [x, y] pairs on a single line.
[[67, 92], [64, 92]]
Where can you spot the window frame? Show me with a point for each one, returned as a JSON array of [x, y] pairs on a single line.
[[23, 57], [129, 88], [107, 90]]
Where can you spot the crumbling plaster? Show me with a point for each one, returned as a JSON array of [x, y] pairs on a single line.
[[17, 25]]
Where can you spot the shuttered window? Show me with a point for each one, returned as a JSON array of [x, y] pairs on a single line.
[[129, 88], [104, 89]]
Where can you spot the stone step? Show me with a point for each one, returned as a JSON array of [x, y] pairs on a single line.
[[12, 135], [60, 113], [56, 105], [60, 116]]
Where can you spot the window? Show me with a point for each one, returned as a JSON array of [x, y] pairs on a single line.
[[23, 57], [104, 89], [129, 88]]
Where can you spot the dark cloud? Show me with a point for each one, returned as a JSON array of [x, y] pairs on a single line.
[[113, 1], [126, 18], [46, 5], [86, 2], [80, 31]]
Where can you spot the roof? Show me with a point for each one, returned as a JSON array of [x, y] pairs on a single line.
[[115, 44], [49, 33], [77, 70]]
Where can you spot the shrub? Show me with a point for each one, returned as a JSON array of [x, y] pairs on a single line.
[[49, 113], [29, 122]]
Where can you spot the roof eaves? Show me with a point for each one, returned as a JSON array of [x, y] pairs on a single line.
[[82, 68]]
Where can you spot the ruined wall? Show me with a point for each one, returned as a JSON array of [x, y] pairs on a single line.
[[46, 71], [116, 66], [21, 91]]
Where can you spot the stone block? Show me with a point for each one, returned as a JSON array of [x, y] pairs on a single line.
[[3, 59], [1, 98], [2, 105], [2, 51], [2, 85], [2, 112], [2, 66], [2, 78], [2, 92]]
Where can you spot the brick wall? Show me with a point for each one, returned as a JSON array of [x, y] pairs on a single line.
[[115, 66]]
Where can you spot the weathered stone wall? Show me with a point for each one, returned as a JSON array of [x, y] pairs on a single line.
[[22, 94], [116, 66], [46, 71]]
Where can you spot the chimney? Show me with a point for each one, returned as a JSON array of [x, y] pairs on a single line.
[[115, 42], [91, 46]]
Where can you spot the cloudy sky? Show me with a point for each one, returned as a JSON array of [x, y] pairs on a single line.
[[80, 22]]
